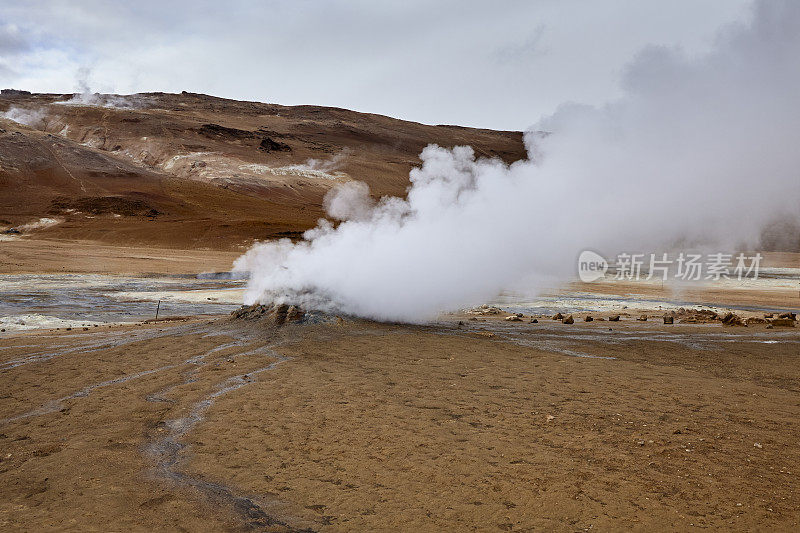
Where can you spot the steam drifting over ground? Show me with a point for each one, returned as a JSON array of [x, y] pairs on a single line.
[[28, 117], [699, 150], [37, 117]]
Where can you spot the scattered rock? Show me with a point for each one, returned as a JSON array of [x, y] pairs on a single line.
[[693, 316], [731, 319], [768, 315], [568, 320], [558, 316], [614, 318], [669, 319], [782, 322], [642, 318], [513, 318], [757, 445], [485, 310], [534, 321], [755, 320], [550, 418], [588, 318], [790, 316]]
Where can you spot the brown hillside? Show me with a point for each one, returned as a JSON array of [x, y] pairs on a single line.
[[186, 169]]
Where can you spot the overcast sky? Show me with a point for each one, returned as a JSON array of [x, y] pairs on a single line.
[[490, 64]]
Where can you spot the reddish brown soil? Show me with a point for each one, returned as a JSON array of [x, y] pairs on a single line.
[[112, 161]]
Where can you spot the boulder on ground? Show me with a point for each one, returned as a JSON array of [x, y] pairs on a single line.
[[588, 318], [702, 316], [614, 318], [513, 318], [669, 319], [485, 310], [790, 316], [783, 322], [534, 321], [558, 316], [731, 319], [568, 320], [755, 320]]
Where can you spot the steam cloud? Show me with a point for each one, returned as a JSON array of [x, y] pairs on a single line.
[[28, 117], [699, 150]]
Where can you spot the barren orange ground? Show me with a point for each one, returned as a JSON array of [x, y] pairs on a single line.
[[364, 426]]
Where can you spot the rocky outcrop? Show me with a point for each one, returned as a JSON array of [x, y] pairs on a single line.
[[276, 315], [732, 319], [14, 92], [266, 144], [222, 132], [270, 145]]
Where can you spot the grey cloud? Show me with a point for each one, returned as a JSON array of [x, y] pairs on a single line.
[[456, 62], [12, 40]]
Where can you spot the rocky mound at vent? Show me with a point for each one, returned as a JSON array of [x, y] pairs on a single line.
[[277, 315]]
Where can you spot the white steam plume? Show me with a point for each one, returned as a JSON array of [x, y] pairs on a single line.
[[28, 117], [330, 164], [88, 98], [701, 150]]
